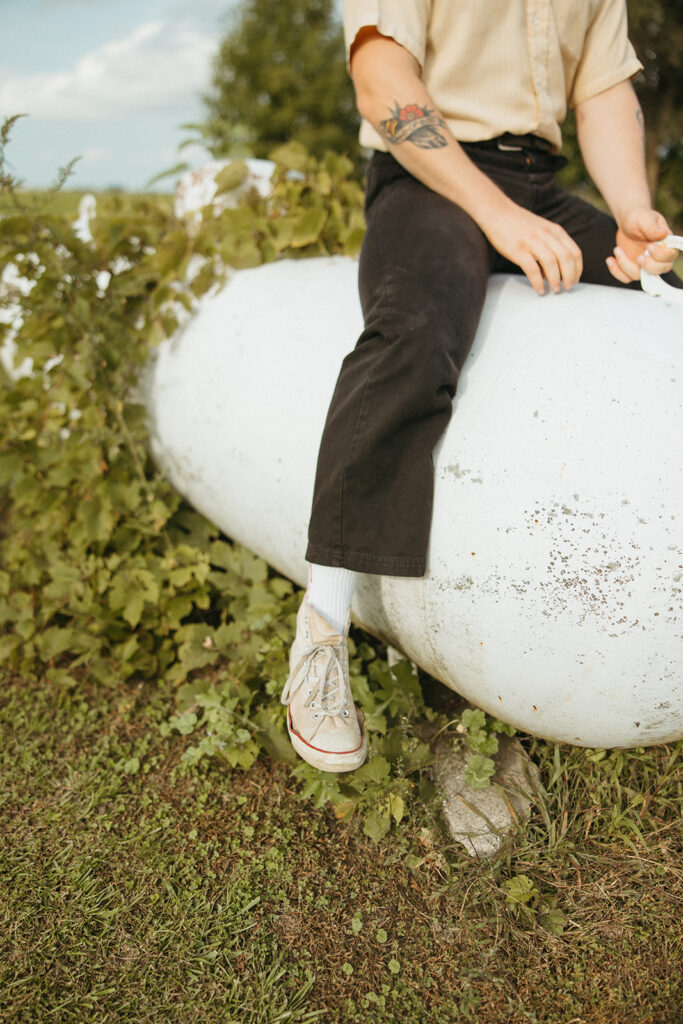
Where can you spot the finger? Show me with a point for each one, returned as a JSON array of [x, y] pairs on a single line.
[[570, 259], [571, 267], [549, 266], [654, 266], [630, 267], [662, 253], [616, 271], [532, 270]]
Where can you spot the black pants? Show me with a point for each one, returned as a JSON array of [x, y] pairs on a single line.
[[423, 275]]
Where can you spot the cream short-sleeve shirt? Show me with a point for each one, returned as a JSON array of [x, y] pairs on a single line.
[[506, 67]]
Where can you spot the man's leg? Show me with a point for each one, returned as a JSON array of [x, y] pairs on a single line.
[[423, 275]]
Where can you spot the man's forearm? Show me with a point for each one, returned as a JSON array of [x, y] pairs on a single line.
[[393, 98], [612, 140]]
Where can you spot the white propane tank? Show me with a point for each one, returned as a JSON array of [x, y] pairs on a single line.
[[555, 571]]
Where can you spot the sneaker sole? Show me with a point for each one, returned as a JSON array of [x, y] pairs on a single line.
[[328, 760]]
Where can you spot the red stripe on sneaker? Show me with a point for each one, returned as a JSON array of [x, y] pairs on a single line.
[[321, 750]]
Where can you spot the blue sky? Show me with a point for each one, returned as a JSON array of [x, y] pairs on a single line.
[[110, 81]]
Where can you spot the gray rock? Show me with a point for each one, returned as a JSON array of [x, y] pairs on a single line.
[[480, 819]]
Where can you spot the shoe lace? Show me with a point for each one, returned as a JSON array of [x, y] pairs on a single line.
[[330, 698]]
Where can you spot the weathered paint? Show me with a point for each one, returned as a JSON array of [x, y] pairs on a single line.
[[553, 596]]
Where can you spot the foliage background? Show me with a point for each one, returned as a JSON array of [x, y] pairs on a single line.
[[106, 574], [280, 74]]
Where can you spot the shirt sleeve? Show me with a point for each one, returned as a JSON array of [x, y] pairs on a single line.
[[405, 21], [608, 57]]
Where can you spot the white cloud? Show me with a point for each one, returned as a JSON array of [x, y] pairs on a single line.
[[95, 154], [158, 66]]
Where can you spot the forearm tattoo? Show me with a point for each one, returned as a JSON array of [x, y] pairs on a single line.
[[641, 121], [415, 124]]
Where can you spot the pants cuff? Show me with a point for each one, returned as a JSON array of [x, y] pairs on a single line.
[[358, 561]]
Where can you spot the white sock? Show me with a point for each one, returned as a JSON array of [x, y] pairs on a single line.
[[330, 591]]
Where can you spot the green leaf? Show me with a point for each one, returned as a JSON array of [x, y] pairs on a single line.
[[187, 695], [126, 650], [98, 518], [8, 644], [377, 823], [11, 465], [376, 770], [241, 251], [132, 610], [503, 727], [478, 771], [185, 723], [473, 719], [520, 890], [483, 743], [231, 176], [307, 227], [353, 242], [396, 807], [273, 738], [292, 156], [554, 921]]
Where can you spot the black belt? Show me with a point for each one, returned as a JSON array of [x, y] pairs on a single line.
[[514, 143]]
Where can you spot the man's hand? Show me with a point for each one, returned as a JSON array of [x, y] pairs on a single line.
[[637, 249], [539, 247]]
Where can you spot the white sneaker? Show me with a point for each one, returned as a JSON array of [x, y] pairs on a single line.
[[324, 725]]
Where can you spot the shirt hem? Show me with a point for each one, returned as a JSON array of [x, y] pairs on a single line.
[[594, 88], [386, 27]]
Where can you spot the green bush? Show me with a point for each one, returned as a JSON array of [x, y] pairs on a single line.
[[105, 571]]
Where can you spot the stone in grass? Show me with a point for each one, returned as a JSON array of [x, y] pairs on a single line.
[[480, 819]]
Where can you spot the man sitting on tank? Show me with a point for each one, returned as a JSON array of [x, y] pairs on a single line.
[[462, 103]]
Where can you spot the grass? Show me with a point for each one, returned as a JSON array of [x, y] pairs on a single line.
[[135, 888]]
